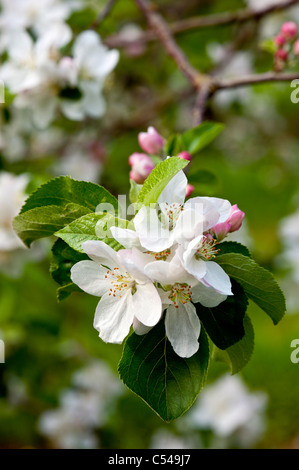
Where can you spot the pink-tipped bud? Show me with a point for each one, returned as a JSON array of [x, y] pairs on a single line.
[[232, 224], [289, 30], [151, 141], [280, 40], [185, 155], [282, 54], [296, 47], [189, 190], [236, 218], [221, 230], [141, 165]]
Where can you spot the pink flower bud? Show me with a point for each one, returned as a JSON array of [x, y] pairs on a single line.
[[232, 224], [185, 155], [221, 230], [150, 141], [289, 30], [141, 165], [282, 54], [189, 190], [236, 218], [296, 47], [280, 40]]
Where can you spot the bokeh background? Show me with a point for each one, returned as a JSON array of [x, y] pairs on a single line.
[[59, 386]]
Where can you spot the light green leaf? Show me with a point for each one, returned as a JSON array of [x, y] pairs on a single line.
[[158, 179], [199, 137], [258, 283], [168, 383], [134, 191]]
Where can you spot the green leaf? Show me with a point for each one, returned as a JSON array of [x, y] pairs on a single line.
[[204, 181], [158, 179], [92, 227], [238, 355], [65, 190], [258, 283], [173, 145], [62, 259], [134, 191], [232, 247], [224, 323], [168, 383], [199, 137], [41, 222]]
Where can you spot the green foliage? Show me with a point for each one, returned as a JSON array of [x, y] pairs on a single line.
[[158, 179], [224, 323], [258, 283], [168, 383], [199, 137]]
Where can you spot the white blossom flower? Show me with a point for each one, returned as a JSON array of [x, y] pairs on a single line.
[[12, 197], [229, 409], [179, 291], [173, 221], [126, 292]]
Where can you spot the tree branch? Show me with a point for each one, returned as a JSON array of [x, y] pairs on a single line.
[[253, 79], [162, 32], [219, 19]]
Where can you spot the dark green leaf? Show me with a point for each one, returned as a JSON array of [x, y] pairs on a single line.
[[224, 323], [168, 383], [238, 355], [258, 283]]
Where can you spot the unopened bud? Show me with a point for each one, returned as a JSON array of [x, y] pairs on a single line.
[[142, 165], [185, 155], [236, 218], [189, 190], [280, 40], [289, 30], [296, 47], [151, 141]]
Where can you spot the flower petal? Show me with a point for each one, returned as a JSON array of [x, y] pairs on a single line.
[[175, 190], [217, 278], [126, 237], [206, 296], [114, 317], [146, 304], [153, 236], [90, 277], [134, 262], [101, 253], [182, 329]]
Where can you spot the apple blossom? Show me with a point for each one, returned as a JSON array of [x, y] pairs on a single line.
[[289, 30], [151, 141], [232, 224], [141, 165], [179, 291], [296, 47], [125, 291]]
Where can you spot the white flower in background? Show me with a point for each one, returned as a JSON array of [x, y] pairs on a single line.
[[34, 15], [83, 408], [41, 78], [230, 410], [127, 294], [87, 69], [164, 439], [12, 197]]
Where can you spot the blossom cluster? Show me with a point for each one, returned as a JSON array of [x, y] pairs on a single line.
[[36, 72], [168, 263], [142, 164], [286, 44]]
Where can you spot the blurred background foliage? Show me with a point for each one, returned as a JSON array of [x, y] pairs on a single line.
[[254, 163]]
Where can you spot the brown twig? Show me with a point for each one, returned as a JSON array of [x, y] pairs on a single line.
[[253, 79], [219, 19]]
